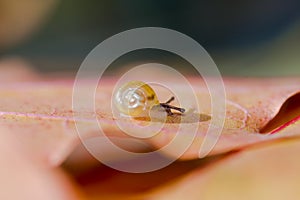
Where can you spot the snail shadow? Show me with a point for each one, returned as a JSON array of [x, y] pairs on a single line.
[[175, 118]]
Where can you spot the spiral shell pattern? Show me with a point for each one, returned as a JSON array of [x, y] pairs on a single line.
[[135, 99]]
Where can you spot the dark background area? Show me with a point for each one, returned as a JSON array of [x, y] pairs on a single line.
[[243, 37]]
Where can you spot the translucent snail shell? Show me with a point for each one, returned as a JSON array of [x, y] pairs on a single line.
[[135, 99]]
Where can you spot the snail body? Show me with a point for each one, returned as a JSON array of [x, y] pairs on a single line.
[[137, 98]]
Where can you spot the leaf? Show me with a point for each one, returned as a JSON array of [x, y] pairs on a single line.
[[40, 113], [23, 176], [265, 172]]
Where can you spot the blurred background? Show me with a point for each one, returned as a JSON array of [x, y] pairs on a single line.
[[245, 38]]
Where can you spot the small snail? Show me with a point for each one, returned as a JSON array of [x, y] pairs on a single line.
[[136, 99]]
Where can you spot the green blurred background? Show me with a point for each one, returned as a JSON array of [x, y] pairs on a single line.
[[245, 38]]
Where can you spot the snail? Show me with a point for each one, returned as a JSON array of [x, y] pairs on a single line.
[[137, 98]]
